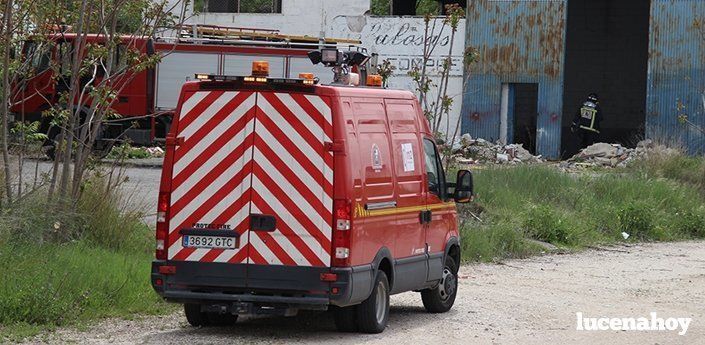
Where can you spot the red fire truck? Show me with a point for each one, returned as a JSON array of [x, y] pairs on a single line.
[[146, 100], [281, 194]]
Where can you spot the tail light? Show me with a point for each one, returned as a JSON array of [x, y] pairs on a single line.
[[162, 226], [341, 233]]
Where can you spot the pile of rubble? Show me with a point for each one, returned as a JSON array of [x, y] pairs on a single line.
[[607, 155], [481, 151]]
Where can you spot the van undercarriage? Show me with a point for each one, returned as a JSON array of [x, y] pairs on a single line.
[[259, 289]]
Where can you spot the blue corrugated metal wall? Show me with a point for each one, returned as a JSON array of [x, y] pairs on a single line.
[[676, 83], [518, 41]]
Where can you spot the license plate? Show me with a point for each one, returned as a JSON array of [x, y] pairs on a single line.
[[210, 242]]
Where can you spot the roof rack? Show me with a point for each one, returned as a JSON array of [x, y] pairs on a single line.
[[202, 33]]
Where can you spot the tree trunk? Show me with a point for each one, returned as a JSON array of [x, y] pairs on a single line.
[[7, 41], [75, 117]]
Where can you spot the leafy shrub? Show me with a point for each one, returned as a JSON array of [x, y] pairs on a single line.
[[127, 151], [636, 219], [690, 224], [543, 224], [494, 241]]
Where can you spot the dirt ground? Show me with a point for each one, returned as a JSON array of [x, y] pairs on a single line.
[[532, 301]]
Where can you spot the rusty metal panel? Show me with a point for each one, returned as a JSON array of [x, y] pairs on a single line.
[[518, 41], [676, 81]]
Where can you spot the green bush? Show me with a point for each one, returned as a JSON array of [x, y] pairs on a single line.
[[126, 151], [576, 210], [690, 224], [486, 243], [543, 224], [62, 264], [59, 284], [636, 219]]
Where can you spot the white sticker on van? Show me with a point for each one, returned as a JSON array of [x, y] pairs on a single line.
[[407, 153], [376, 158]]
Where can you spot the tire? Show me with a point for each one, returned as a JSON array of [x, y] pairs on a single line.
[[373, 313], [345, 318], [441, 298], [198, 318], [195, 316]]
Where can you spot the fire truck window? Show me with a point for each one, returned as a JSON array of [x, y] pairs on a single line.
[[65, 52], [239, 6], [119, 58], [37, 55], [432, 171]]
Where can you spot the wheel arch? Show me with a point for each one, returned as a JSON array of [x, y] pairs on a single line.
[[453, 250], [383, 261]]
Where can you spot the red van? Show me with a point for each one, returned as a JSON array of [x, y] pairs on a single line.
[[279, 195]]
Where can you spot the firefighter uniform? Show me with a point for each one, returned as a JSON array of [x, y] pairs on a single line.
[[587, 122]]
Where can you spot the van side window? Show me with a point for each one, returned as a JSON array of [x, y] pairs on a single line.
[[434, 170]]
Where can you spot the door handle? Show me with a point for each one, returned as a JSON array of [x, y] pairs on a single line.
[[425, 216], [262, 222]]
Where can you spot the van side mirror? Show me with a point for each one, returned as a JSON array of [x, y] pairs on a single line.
[[463, 187]]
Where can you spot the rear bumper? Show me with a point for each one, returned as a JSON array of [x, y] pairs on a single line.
[[271, 286]]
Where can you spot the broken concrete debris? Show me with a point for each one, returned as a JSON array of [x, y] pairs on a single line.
[[604, 155], [472, 151], [610, 155]]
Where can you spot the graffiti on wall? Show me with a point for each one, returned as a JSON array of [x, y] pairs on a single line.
[[400, 40]]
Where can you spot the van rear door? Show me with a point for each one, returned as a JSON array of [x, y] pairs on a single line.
[[292, 180], [211, 182], [253, 165]]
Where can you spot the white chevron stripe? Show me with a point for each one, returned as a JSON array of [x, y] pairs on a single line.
[[322, 107], [175, 248], [294, 136], [196, 98], [214, 134], [243, 213], [263, 250], [214, 212], [213, 161], [283, 154], [197, 202], [303, 204], [311, 124], [291, 221], [197, 254], [206, 115], [284, 242]]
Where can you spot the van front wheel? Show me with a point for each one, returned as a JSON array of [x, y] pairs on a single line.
[[441, 298], [373, 313]]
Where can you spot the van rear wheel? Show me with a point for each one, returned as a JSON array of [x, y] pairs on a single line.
[[441, 298], [345, 318], [195, 316], [198, 318], [373, 313]]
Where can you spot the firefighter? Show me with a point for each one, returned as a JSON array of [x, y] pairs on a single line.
[[587, 121]]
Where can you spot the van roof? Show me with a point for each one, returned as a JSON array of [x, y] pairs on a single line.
[[361, 91], [325, 90]]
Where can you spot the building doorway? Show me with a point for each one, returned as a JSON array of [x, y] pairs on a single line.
[[519, 113], [607, 47]]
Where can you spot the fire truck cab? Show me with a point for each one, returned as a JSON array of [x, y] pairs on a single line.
[[281, 194]]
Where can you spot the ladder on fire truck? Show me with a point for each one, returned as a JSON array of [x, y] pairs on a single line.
[[203, 33]]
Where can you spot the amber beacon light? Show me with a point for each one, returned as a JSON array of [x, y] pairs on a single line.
[[260, 68], [374, 80]]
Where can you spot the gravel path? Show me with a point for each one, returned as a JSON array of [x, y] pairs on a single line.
[[531, 301]]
